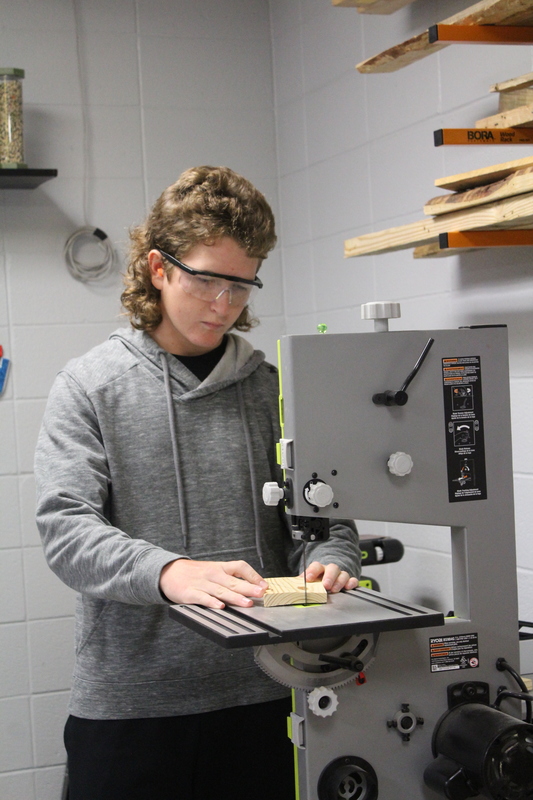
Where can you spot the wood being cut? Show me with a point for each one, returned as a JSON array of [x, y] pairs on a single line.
[[291, 591], [478, 177], [373, 6], [514, 212], [486, 12], [518, 182]]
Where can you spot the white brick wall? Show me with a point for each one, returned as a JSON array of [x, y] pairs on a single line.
[[169, 84]]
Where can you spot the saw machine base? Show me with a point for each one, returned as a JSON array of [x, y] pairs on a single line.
[[393, 701]]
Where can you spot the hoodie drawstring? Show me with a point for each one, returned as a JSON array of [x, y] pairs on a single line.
[[250, 454], [177, 466], [175, 452]]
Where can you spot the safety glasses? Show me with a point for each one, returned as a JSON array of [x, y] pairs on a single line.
[[210, 286]]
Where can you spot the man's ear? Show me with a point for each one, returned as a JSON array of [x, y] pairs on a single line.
[[157, 271]]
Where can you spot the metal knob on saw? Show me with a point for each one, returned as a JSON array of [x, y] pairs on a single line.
[[400, 464], [317, 493], [381, 312], [272, 493]]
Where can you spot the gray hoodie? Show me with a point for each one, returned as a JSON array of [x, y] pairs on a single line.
[[138, 463]]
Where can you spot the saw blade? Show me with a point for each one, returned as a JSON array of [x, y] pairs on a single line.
[[297, 665], [304, 556]]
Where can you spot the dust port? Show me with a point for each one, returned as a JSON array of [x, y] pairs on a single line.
[[348, 778]]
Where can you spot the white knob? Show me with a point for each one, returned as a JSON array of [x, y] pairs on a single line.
[[400, 464], [322, 701], [386, 309], [319, 494], [381, 312], [272, 493]]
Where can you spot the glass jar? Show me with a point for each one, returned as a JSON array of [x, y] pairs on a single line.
[[11, 140]]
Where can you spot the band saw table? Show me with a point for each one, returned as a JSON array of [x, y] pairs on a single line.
[[392, 700]]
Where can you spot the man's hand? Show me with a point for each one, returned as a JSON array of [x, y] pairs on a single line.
[[211, 583], [333, 578]]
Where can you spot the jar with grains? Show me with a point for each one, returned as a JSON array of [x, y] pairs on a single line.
[[11, 141]]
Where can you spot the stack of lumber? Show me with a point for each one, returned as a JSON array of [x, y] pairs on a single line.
[[373, 6], [493, 198], [486, 12], [515, 108]]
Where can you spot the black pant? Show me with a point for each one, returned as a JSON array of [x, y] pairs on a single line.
[[234, 754]]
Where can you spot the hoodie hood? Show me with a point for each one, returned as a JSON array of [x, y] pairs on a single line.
[[238, 362]]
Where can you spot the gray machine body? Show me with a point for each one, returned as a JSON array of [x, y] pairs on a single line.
[[458, 412], [327, 386]]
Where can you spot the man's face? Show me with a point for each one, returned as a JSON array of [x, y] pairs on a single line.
[[191, 326]]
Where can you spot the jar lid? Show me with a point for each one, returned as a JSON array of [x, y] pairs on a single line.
[[12, 71]]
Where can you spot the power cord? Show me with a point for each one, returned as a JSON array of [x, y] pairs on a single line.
[[103, 255], [502, 665]]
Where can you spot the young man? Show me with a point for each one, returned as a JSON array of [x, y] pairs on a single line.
[[150, 463]]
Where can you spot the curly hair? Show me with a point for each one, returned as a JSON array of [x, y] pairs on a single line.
[[204, 205]]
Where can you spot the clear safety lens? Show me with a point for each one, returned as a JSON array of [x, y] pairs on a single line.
[[211, 289]]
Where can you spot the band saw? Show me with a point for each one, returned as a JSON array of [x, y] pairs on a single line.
[[393, 700]]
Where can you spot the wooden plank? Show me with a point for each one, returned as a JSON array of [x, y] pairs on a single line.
[[486, 12], [373, 6], [518, 182], [479, 177], [512, 85], [381, 6], [431, 250], [514, 212], [513, 118], [291, 591]]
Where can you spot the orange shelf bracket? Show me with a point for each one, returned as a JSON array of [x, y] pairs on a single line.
[[483, 136], [501, 238], [481, 34]]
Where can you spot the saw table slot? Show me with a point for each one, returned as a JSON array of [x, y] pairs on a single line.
[[222, 626], [407, 609]]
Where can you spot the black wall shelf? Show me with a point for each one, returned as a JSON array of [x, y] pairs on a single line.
[[25, 178]]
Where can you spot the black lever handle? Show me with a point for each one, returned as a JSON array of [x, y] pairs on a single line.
[[400, 398]]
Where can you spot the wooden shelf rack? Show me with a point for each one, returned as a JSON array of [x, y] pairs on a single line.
[[486, 12]]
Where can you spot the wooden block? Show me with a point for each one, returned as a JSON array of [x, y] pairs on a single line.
[[486, 12], [480, 177], [514, 212], [519, 182], [290, 592]]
